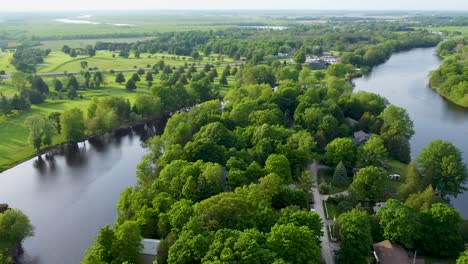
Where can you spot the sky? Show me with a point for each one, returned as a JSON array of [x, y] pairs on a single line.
[[43, 5]]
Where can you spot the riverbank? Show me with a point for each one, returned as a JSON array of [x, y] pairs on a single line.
[[450, 80], [57, 146]]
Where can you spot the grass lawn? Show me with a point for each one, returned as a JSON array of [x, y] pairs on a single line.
[[332, 210], [59, 62], [392, 186]]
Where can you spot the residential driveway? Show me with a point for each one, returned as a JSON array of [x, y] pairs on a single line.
[[326, 246]]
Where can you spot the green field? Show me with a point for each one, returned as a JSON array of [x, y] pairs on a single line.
[[58, 61], [463, 30]]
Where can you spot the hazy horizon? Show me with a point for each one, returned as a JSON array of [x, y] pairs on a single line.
[[302, 5]]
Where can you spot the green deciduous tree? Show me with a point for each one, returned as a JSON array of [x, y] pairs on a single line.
[[373, 152], [400, 223], [279, 164], [396, 131], [355, 234], [441, 164], [422, 201], [302, 246], [14, 228], [119, 78], [440, 233], [300, 56], [368, 183], [41, 131], [72, 123], [341, 150], [130, 86]]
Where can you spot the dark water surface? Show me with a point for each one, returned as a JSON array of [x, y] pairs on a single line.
[[404, 81], [70, 197]]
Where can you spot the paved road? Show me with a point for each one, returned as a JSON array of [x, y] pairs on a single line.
[[327, 246]]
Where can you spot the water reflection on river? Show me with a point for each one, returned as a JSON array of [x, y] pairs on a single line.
[[69, 197], [403, 80]]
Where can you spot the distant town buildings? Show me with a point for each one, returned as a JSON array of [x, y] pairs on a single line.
[[322, 62]]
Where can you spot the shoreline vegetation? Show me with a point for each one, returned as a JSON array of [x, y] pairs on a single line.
[[450, 80]]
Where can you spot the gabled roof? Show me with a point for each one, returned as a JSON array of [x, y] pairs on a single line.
[[387, 252]]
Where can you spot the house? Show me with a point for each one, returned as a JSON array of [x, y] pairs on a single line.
[[351, 122], [386, 252], [317, 64], [361, 137], [149, 250]]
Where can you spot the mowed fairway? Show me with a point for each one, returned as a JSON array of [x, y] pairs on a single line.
[[60, 62]]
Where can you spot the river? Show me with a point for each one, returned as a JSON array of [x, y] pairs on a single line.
[[68, 199], [404, 81]]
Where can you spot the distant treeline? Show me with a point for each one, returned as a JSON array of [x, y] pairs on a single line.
[[363, 44]]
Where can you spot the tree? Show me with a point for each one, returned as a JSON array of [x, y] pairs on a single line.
[[463, 259], [440, 232], [141, 71], [130, 86], [149, 76], [58, 86], [5, 106], [135, 77], [84, 64], [355, 235], [340, 176], [400, 223], [66, 49], [73, 83], [223, 80], [368, 183], [396, 131], [41, 130], [120, 78], [279, 164], [300, 56], [422, 201], [73, 53], [121, 245], [195, 55], [14, 228], [341, 150], [72, 123], [232, 246], [180, 213], [441, 164], [299, 217], [302, 245], [90, 50], [373, 152]]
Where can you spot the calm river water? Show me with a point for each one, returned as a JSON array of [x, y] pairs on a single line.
[[404, 80], [70, 198]]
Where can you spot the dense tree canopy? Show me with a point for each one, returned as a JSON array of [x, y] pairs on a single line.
[[441, 165]]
